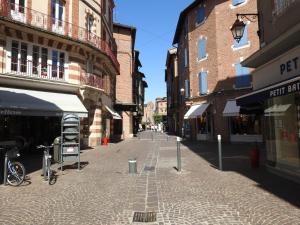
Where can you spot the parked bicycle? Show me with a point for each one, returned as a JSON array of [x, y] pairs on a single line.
[[14, 172], [47, 172]]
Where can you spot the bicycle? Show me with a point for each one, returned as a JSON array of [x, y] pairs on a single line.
[[14, 171], [47, 172]]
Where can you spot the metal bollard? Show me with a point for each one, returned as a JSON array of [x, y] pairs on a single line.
[[220, 152], [5, 169], [178, 155], [132, 166]]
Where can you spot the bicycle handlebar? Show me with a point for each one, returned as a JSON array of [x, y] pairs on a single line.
[[44, 147]]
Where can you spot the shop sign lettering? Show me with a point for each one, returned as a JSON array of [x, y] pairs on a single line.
[[290, 88], [289, 66], [10, 112]]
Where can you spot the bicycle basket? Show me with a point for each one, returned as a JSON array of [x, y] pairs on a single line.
[[13, 153]]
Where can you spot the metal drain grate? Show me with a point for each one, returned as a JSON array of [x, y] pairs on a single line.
[[144, 217], [149, 168]]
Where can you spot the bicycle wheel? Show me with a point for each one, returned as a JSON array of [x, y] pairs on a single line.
[[17, 175]]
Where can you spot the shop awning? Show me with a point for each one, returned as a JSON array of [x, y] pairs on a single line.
[[196, 111], [39, 103], [231, 109], [276, 90], [277, 110], [114, 114]]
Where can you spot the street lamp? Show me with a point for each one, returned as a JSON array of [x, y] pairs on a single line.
[[238, 27]]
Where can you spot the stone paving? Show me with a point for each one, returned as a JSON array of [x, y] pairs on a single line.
[[103, 192]]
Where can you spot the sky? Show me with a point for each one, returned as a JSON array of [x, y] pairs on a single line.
[[155, 21]]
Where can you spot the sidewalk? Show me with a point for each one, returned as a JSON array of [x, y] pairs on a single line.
[[104, 193]]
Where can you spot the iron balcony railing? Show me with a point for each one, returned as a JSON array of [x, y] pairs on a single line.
[[91, 80], [29, 68], [48, 23]]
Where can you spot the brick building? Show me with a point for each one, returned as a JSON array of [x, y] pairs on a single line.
[[210, 73], [130, 88], [276, 84], [173, 92], [161, 107], [148, 113], [57, 57]]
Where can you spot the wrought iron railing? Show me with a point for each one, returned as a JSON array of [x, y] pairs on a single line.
[[48, 23], [91, 80], [29, 68]]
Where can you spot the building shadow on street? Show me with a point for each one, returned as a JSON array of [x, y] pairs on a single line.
[[236, 158]]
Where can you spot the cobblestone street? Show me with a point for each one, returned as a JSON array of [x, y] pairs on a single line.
[[104, 193]]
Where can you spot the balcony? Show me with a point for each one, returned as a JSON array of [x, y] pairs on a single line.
[[30, 17], [91, 80], [31, 69]]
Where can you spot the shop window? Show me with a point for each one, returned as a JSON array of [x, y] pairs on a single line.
[[203, 83], [282, 116], [202, 48], [203, 124], [200, 15], [245, 124], [237, 2], [243, 77]]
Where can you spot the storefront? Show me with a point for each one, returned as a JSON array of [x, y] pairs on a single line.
[[242, 127], [198, 121], [277, 95], [34, 117]]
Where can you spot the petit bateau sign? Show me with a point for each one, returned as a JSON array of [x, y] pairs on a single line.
[[289, 66]]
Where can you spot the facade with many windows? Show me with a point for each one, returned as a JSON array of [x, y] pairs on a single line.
[[210, 72], [59, 48]]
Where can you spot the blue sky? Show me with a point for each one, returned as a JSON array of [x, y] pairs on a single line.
[[156, 22]]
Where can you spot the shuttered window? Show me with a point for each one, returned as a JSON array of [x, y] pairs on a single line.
[[243, 77], [187, 88], [237, 2], [202, 48], [200, 15], [203, 83]]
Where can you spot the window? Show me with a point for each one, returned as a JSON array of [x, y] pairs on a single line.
[[202, 83], [44, 63], [185, 57], [187, 88], [200, 15], [57, 15], [89, 23], [202, 48], [237, 2], [18, 57], [17, 5], [280, 6], [35, 59], [185, 28], [244, 40], [242, 76]]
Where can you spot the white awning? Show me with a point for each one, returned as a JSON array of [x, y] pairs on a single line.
[[196, 111], [114, 114], [39, 103], [231, 109], [277, 110]]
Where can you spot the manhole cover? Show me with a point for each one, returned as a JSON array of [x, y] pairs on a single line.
[[149, 168], [144, 217]]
